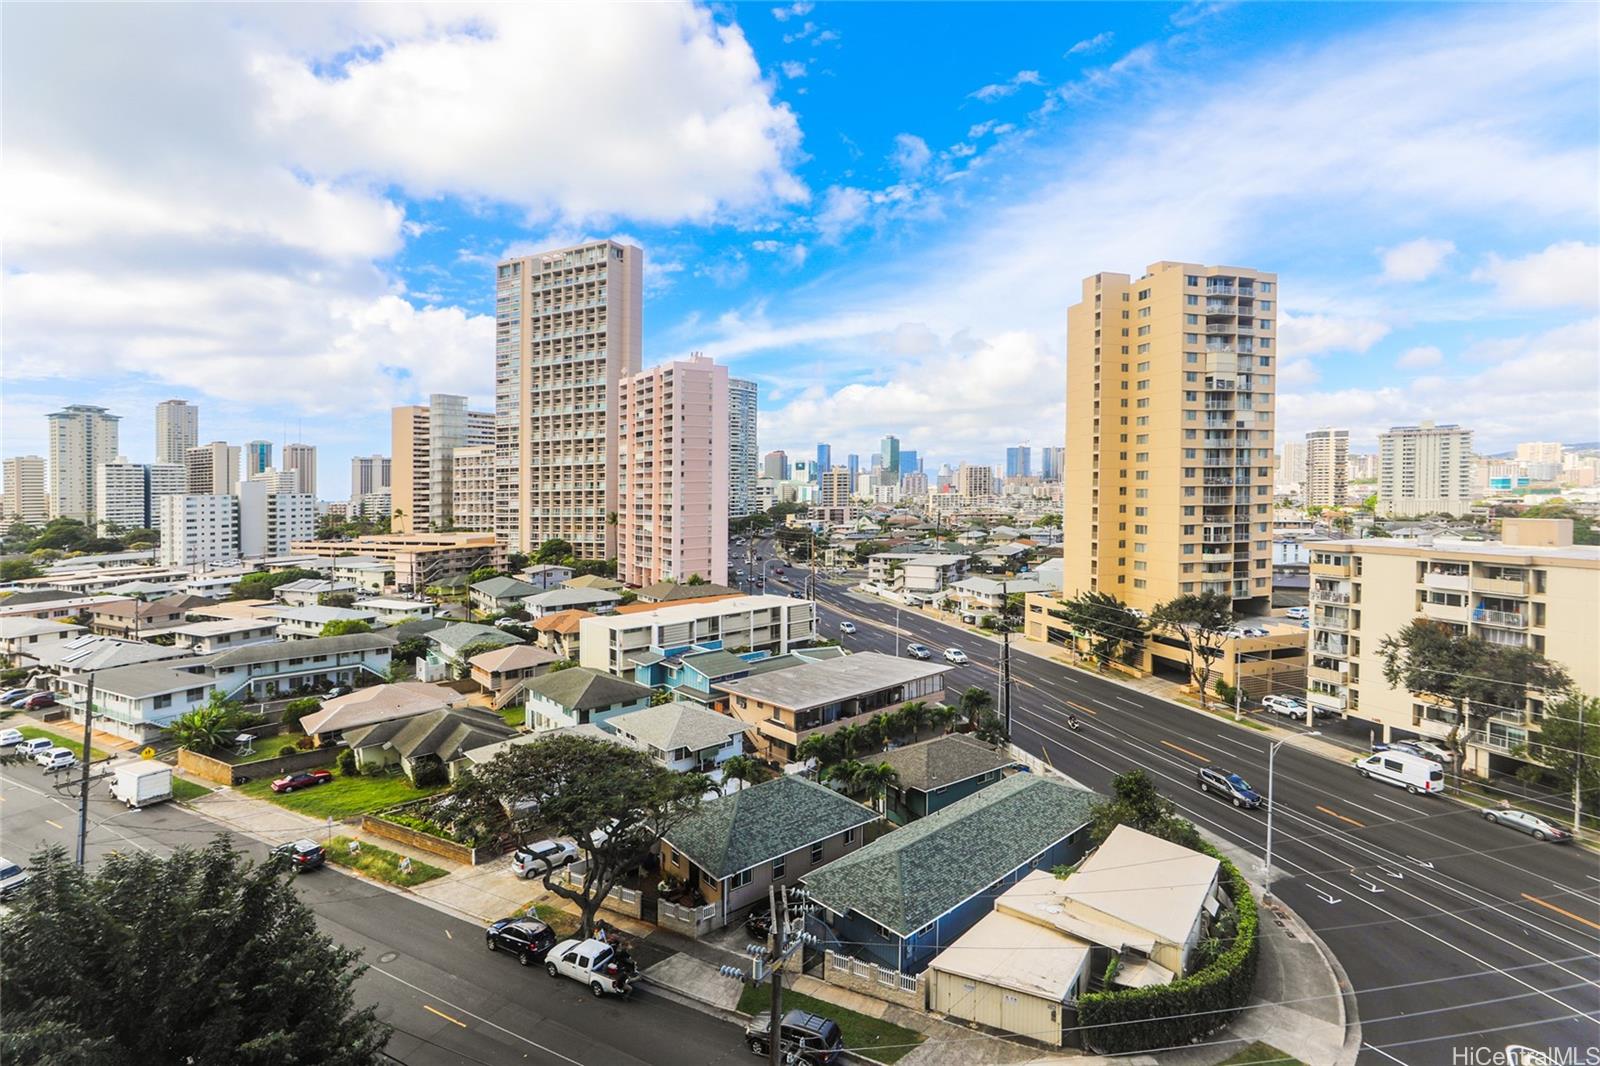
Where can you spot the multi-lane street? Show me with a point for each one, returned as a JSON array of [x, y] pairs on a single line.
[[449, 1000], [1455, 933]]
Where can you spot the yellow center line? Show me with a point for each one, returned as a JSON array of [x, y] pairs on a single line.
[[58, 825], [1081, 707], [446, 1017], [1186, 751], [1342, 818], [1558, 910]]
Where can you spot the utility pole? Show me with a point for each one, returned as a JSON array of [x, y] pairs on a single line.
[[767, 963], [813, 589], [83, 787], [1005, 658]]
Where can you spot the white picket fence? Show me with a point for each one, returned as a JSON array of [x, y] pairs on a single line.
[[690, 921], [874, 980]]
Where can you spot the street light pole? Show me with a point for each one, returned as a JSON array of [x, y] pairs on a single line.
[[897, 631], [1272, 754]]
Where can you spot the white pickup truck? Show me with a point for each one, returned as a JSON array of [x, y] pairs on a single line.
[[592, 962]]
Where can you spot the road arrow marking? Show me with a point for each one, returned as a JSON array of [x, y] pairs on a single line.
[[1396, 874], [1325, 897], [1370, 886], [1419, 862]]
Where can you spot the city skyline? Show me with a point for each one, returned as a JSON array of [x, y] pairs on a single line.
[[1471, 303]]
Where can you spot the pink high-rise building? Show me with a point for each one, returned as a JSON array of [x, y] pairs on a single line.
[[672, 456]]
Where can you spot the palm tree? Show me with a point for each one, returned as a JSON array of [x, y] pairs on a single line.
[[874, 780], [846, 774], [851, 739], [892, 723], [942, 717], [872, 730], [741, 768], [974, 701], [819, 746], [917, 715]]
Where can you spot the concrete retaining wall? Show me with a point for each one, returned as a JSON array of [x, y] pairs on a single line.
[[872, 980], [414, 838], [222, 772]]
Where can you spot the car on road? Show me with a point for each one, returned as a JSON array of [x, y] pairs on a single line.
[[303, 855], [1538, 827], [56, 759], [36, 701], [20, 698], [1287, 706], [335, 692], [10, 738], [919, 651], [847, 627], [1230, 786], [803, 1037], [955, 656], [1299, 614], [529, 939], [1413, 772], [1425, 748], [303, 779], [796, 594], [12, 877], [14, 694], [35, 746], [593, 963], [536, 858]]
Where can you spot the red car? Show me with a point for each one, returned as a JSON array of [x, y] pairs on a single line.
[[302, 780], [37, 701]]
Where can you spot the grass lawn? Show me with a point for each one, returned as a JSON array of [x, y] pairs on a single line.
[[343, 797], [30, 732], [188, 790], [515, 717], [861, 1033], [267, 748], [1259, 1054], [380, 863]]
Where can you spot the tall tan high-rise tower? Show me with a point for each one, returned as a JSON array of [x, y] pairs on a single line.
[[177, 430], [568, 330], [82, 437], [1168, 479], [1327, 482]]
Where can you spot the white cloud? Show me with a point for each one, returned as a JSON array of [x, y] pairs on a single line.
[[1306, 335], [1419, 358], [843, 208], [990, 93], [910, 155], [1416, 260], [961, 150], [1091, 44], [793, 69], [799, 9], [1564, 274]]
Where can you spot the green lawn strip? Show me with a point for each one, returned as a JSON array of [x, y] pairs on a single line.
[[268, 748], [381, 864], [343, 796], [514, 716], [31, 732], [866, 1036], [1259, 1054], [188, 790]]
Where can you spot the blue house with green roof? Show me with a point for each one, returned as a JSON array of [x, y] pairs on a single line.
[[690, 672], [901, 899]]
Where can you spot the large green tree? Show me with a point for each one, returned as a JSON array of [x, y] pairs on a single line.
[[1114, 630], [1567, 750], [1476, 678], [198, 957], [1135, 802], [343, 627], [575, 786], [1201, 619]]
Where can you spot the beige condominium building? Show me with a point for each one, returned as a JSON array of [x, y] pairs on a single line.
[[177, 430], [302, 459], [472, 488], [81, 438], [1424, 469], [1327, 459], [424, 440], [420, 560], [213, 469], [568, 331], [1168, 481], [672, 455], [25, 496], [1534, 588]]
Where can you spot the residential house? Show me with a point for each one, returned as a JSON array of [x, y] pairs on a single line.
[[594, 581], [559, 632], [56, 607], [262, 671], [438, 738], [378, 703], [208, 638], [682, 736], [773, 624], [86, 653], [302, 623], [671, 591], [546, 575], [933, 774], [986, 595], [694, 673], [496, 595], [783, 707], [308, 592], [567, 598], [1014, 975], [916, 574], [21, 638], [368, 575], [447, 644], [577, 695], [1049, 574], [900, 899], [137, 702], [392, 609], [731, 849], [140, 619], [501, 672]]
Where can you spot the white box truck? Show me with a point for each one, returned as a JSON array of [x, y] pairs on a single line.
[[141, 783]]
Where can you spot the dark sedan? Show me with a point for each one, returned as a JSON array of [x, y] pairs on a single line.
[[527, 938], [303, 855]]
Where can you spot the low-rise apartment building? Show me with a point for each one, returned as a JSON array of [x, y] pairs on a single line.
[[262, 671], [917, 573], [21, 638], [419, 559], [139, 701], [774, 624], [210, 638], [783, 707], [1533, 589]]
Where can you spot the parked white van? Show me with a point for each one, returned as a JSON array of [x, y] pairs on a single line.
[[1403, 768], [56, 759]]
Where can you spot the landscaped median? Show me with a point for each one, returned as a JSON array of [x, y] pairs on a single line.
[[380, 864], [343, 797], [1189, 1008], [865, 1036]]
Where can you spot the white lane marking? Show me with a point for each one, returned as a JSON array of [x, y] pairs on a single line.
[[1395, 803], [1369, 810], [1096, 702], [476, 1017], [1130, 703], [1384, 1053], [1241, 747]]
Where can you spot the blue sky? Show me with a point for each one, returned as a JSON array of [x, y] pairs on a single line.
[[880, 212]]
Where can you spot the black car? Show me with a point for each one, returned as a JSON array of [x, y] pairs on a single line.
[[529, 939], [303, 854], [759, 923], [1229, 786], [815, 1039]]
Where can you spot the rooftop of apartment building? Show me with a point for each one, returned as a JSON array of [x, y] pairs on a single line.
[[683, 612], [832, 680]]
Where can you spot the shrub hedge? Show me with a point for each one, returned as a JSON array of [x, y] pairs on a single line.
[[1138, 1019]]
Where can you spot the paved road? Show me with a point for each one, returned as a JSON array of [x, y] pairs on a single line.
[[450, 1001], [1455, 933]]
